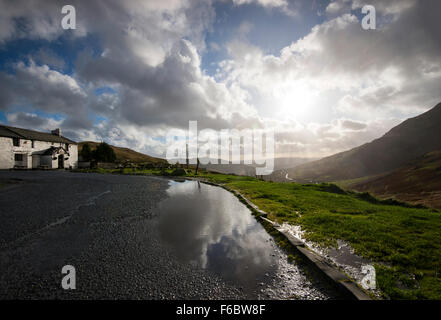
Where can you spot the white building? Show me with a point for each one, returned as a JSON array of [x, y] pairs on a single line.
[[27, 149]]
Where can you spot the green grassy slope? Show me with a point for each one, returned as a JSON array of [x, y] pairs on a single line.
[[123, 154]]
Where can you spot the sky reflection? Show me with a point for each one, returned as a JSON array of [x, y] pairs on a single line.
[[208, 227]]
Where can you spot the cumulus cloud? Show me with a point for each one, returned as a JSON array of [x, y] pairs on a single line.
[[283, 5], [32, 120], [338, 7], [43, 88], [155, 72], [335, 88], [391, 7], [339, 69]]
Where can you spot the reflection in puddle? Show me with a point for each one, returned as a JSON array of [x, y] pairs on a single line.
[[208, 227]]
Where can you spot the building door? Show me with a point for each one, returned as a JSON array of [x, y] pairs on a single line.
[[20, 160], [61, 161]]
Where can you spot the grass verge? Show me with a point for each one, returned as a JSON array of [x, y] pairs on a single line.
[[404, 241]]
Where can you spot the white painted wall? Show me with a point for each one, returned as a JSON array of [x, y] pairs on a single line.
[[73, 158], [7, 151], [6, 155]]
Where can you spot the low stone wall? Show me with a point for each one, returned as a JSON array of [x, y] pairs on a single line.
[[83, 164], [106, 165]]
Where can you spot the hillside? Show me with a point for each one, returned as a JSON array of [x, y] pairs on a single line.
[[418, 183], [290, 162], [250, 170], [411, 139], [125, 154]]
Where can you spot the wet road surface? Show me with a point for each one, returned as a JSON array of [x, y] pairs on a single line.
[[136, 237]]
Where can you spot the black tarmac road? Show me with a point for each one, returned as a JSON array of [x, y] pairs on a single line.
[[100, 225], [106, 227]]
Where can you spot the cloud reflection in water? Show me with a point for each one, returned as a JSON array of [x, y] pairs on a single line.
[[208, 227]]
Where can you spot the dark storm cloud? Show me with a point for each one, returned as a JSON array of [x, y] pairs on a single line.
[[50, 58], [27, 120]]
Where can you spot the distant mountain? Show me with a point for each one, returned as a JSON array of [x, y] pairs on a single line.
[[250, 169], [124, 154], [418, 183], [411, 139], [290, 162]]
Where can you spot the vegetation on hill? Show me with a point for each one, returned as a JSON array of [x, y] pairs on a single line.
[[102, 153], [86, 152], [123, 154], [419, 182]]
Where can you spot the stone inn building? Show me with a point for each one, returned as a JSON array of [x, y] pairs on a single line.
[[28, 149]]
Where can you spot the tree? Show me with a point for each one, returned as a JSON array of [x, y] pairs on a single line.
[[104, 153], [86, 152]]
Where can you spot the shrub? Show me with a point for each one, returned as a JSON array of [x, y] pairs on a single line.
[[104, 153], [86, 152]]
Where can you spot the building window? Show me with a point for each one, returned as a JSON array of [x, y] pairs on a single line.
[[16, 142], [32, 144], [18, 157], [67, 147]]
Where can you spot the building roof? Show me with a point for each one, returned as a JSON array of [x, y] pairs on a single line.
[[4, 132], [12, 132]]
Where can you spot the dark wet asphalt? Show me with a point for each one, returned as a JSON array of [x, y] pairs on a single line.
[[107, 227]]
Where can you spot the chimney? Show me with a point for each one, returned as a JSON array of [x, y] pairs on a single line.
[[56, 132]]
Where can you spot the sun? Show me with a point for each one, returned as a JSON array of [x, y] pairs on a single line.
[[295, 101]]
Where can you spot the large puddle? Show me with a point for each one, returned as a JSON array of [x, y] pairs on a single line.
[[209, 228]]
